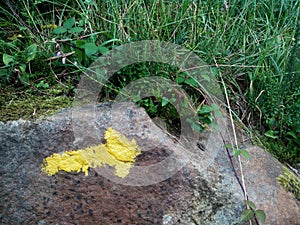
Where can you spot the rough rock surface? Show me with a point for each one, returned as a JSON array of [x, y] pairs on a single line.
[[193, 195]]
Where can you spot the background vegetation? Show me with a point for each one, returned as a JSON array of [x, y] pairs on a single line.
[[253, 45]]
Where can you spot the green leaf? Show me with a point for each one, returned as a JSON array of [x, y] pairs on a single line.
[[24, 78], [261, 216], [75, 30], [30, 52], [179, 79], [229, 146], [103, 50], [7, 59], [79, 43], [79, 51], [205, 109], [4, 74], [42, 84], [206, 118], [245, 154], [191, 81], [22, 68], [236, 152], [271, 134], [90, 49], [247, 215], [59, 30], [250, 204], [164, 102], [69, 23], [292, 134]]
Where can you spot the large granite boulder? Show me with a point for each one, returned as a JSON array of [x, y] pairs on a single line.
[[199, 189]]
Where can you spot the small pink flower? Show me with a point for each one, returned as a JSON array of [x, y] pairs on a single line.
[[64, 60], [75, 63], [226, 4], [58, 54]]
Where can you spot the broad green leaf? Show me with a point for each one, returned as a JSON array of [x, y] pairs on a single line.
[[24, 78], [292, 134], [59, 30], [261, 216], [191, 81], [42, 84], [90, 49], [247, 215], [69, 23], [164, 102], [205, 109], [172, 100], [250, 204], [30, 52], [75, 30], [79, 51], [271, 134], [206, 120], [7, 59], [245, 154], [229, 146], [4, 73], [46, 85], [103, 50], [179, 80], [79, 43], [22, 67], [236, 152]]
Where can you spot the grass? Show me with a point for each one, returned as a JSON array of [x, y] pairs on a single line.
[[252, 45]]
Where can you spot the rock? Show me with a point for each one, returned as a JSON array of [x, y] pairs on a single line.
[[261, 173], [169, 184]]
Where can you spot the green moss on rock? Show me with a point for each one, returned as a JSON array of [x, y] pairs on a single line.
[[22, 105], [290, 182]]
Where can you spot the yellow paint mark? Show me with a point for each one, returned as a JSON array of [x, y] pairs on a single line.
[[118, 152], [119, 146]]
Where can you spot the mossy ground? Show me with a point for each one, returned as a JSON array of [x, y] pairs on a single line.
[[290, 182], [30, 105]]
